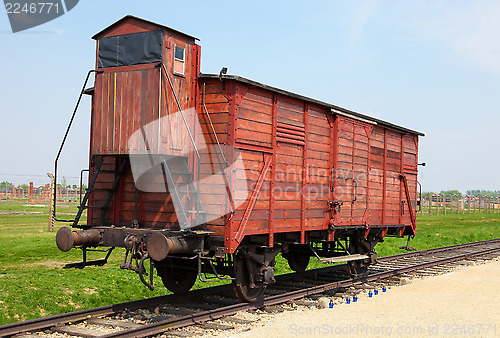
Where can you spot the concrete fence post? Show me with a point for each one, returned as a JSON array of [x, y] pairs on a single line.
[[51, 201], [422, 206], [30, 193]]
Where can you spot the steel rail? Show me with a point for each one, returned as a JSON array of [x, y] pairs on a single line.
[[436, 250], [46, 322], [162, 326]]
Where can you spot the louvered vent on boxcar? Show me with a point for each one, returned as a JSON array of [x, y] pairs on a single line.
[[288, 133]]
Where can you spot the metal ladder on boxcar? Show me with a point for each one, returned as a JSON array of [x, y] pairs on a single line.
[[95, 173], [178, 192], [184, 191]]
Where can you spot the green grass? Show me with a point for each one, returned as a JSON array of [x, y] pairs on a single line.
[[33, 283], [437, 231]]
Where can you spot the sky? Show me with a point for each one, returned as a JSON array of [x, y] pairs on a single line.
[[431, 66]]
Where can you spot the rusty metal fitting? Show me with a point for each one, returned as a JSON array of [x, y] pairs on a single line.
[[159, 246], [67, 238], [130, 242]]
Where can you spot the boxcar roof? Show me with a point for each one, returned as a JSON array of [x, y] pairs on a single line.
[[335, 109], [97, 35]]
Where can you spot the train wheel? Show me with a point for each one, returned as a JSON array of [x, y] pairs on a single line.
[[176, 277], [245, 287], [297, 262]]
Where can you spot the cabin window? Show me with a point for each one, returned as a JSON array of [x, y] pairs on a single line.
[[130, 49], [179, 53], [179, 60]]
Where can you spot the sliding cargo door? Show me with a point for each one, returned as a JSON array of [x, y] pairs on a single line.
[[352, 171]]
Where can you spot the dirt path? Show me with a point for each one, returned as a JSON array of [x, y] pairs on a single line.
[[465, 302]]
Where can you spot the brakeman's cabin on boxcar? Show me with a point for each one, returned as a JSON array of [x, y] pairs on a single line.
[[217, 174]]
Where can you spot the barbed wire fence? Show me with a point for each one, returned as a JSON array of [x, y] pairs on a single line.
[[41, 194], [435, 205]]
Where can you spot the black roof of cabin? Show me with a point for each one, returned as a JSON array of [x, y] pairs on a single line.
[[335, 109], [96, 36]]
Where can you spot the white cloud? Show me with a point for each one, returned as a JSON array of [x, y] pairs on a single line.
[[363, 12], [470, 29]]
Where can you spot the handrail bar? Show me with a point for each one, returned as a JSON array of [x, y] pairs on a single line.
[[64, 141], [180, 109], [187, 128]]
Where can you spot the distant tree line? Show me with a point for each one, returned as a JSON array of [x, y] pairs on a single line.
[[7, 186], [483, 193], [474, 193]]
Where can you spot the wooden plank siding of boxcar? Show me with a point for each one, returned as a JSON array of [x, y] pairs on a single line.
[[410, 171], [254, 116], [394, 193], [388, 194], [289, 203], [126, 99], [253, 127], [98, 197], [377, 181], [317, 184], [304, 141], [153, 209], [343, 170], [213, 189], [131, 100]]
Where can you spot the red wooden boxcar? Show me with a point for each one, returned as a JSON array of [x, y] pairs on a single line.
[[216, 173]]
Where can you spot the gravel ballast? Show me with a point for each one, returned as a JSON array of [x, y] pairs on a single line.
[[464, 302]]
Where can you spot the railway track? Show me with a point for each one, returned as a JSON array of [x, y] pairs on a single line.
[[217, 308]]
